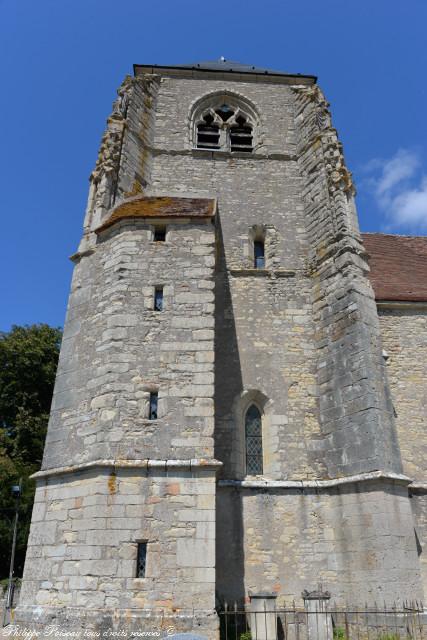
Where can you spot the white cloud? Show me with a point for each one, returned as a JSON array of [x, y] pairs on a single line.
[[399, 190], [398, 168], [410, 206]]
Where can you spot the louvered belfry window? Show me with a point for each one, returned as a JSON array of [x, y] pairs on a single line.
[[241, 135], [208, 133], [253, 433], [225, 128]]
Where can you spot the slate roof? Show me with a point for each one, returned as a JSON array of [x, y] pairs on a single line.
[[229, 66], [398, 266]]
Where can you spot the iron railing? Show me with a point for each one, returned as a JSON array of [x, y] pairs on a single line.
[[324, 622]]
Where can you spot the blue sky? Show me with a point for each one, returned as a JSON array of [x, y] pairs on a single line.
[[62, 60]]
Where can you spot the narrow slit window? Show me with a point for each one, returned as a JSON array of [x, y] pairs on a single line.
[[154, 400], [158, 299], [253, 435], [159, 234], [259, 254], [141, 563]]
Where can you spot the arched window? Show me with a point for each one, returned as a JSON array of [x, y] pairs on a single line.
[[253, 435], [228, 126]]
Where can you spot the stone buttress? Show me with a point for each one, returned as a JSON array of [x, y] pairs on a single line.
[[112, 475], [294, 338]]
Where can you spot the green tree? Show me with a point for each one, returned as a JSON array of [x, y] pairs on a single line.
[[28, 361]]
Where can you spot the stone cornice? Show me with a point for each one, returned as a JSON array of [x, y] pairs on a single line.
[[146, 465], [164, 207], [386, 476], [401, 304], [241, 73], [80, 254], [418, 487], [259, 273], [220, 154]]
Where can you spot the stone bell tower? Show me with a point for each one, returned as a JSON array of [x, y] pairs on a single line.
[[221, 419]]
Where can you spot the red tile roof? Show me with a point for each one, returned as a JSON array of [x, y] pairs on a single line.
[[398, 266], [161, 207]]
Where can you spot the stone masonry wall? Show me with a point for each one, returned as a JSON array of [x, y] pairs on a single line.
[[272, 349], [265, 345], [116, 349], [82, 548], [355, 406], [419, 510], [357, 540], [404, 339], [299, 338]]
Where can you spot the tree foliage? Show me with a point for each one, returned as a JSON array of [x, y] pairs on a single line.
[[28, 361]]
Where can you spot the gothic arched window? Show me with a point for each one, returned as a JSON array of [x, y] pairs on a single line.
[[224, 127], [253, 436]]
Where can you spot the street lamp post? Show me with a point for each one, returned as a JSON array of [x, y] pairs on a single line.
[[16, 492]]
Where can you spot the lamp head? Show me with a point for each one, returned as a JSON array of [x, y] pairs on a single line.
[[16, 490]]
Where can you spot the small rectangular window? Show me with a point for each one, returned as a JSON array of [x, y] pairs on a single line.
[[141, 562], [154, 397], [259, 257], [158, 299], [159, 234]]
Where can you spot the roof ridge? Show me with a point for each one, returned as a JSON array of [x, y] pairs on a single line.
[[226, 66], [391, 235]]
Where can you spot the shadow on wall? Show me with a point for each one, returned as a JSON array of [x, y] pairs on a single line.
[[228, 386]]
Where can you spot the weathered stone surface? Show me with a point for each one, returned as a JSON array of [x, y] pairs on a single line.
[[404, 340], [299, 338]]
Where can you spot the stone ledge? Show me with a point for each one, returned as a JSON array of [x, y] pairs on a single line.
[[401, 304], [317, 484], [266, 273], [217, 154], [163, 207], [159, 465], [75, 257], [418, 487], [221, 155]]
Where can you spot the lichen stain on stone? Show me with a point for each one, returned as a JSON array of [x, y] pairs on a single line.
[[136, 190], [173, 489], [160, 206], [322, 250], [112, 483]]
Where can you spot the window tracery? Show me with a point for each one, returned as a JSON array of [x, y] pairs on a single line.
[[221, 123]]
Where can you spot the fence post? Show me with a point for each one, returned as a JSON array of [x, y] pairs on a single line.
[[319, 623], [262, 615]]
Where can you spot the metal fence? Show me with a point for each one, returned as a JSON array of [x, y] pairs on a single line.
[[324, 622]]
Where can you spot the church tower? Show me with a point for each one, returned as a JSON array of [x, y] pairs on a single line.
[[221, 421]]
